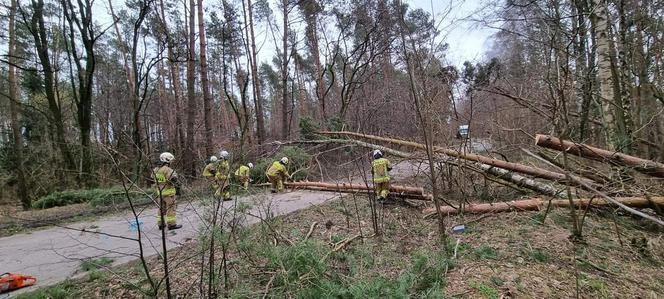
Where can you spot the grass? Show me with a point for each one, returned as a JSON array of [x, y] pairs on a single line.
[[485, 290], [485, 252], [95, 264], [64, 290], [537, 254]]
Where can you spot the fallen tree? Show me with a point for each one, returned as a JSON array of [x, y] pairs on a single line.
[[355, 187], [589, 152], [403, 192], [536, 204], [502, 174], [516, 167]]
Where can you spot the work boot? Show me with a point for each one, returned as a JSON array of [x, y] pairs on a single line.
[[175, 226]]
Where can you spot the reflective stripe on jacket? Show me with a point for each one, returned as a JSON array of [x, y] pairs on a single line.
[[380, 168], [163, 177]]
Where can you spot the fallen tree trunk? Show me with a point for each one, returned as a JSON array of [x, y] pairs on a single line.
[[537, 204], [586, 151], [499, 173], [529, 170], [356, 187]]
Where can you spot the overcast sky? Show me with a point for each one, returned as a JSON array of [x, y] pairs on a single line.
[[467, 40]]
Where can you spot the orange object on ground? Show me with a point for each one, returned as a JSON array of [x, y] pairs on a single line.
[[14, 281]]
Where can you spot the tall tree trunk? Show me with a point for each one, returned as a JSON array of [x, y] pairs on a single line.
[[604, 73], [256, 83], [584, 92], [17, 141], [41, 37], [207, 97], [624, 77], [311, 9], [284, 75], [188, 157], [80, 19], [175, 81]]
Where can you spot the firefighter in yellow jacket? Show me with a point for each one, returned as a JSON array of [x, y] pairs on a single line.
[[209, 172], [380, 168], [243, 175], [166, 188], [277, 174], [222, 176]]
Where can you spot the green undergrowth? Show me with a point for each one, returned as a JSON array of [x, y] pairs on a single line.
[[95, 197], [298, 164], [64, 290], [309, 269]]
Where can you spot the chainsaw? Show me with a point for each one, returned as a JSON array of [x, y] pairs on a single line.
[[14, 281]]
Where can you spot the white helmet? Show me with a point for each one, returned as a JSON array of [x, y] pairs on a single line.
[[250, 165], [213, 159], [223, 155], [377, 154], [166, 157], [284, 160]]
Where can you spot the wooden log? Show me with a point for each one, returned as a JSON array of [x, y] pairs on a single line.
[[347, 186], [537, 204], [426, 197], [529, 170], [590, 152]]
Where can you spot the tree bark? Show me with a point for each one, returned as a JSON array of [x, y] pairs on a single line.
[[14, 100], [175, 81], [258, 97], [284, 74], [207, 97], [537, 204], [188, 156], [356, 187], [612, 109], [586, 151]]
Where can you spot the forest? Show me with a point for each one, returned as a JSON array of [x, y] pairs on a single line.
[[548, 148]]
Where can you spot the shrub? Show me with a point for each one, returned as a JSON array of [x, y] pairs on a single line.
[[96, 197]]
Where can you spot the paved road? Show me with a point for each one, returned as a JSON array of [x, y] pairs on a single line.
[[54, 254]]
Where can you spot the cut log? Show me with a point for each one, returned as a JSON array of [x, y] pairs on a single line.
[[589, 152], [356, 187], [520, 168], [537, 204]]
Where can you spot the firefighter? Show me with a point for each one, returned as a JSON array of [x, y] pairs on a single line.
[[209, 172], [277, 174], [380, 168], [221, 176], [166, 188], [243, 175]]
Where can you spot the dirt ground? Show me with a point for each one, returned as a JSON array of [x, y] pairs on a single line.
[[510, 255]]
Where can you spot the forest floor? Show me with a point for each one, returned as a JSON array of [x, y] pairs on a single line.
[[518, 254], [512, 255]]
